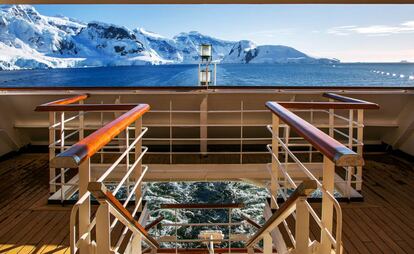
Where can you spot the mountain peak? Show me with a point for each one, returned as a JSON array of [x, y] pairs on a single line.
[[148, 33], [26, 12], [31, 40]]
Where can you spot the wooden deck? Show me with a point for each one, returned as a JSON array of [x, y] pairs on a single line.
[[384, 223]]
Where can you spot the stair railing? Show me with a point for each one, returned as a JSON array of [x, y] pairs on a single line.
[[82, 223], [294, 202], [334, 154]]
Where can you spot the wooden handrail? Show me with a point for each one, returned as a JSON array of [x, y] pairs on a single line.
[[87, 147], [341, 98], [303, 190], [154, 223], [324, 105], [250, 221], [85, 107], [201, 206], [128, 106], [102, 194], [62, 102], [335, 151]]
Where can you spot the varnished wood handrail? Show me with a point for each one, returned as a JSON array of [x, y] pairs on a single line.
[[303, 190], [335, 151], [128, 106], [201, 206], [250, 221], [62, 102], [87, 147], [102, 194], [86, 107], [154, 223], [324, 105], [341, 98]]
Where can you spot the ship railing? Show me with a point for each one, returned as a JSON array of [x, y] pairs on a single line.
[[67, 126], [225, 226], [342, 124], [355, 142], [57, 142], [281, 182], [92, 232], [343, 119]]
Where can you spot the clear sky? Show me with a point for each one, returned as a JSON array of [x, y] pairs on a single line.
[[352, 33]]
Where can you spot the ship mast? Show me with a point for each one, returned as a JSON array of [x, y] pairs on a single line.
[[204, 70]]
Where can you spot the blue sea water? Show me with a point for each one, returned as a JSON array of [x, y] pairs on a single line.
[[357, 74]]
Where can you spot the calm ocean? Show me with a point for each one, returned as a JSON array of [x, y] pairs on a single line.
[[387, 75]]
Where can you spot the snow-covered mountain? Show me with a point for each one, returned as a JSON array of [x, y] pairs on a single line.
[[248, 52], [188, 44], [31, 40]]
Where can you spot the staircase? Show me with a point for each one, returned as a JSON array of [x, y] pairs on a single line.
[[103, 223]]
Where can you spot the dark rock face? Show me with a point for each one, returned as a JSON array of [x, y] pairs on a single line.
[[119, 49], [123, 52], [163, 46], [37, 40], [111, 32], [67, 47], [251, 54]]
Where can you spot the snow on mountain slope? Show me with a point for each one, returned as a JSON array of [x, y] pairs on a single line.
[[248, 52], [31, 40], [239, 51], [106, 44], [188, 44], [157, 44], [44, 34]]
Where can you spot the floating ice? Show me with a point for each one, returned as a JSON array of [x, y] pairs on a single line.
[[402, 76], [394, 74], [411, 77]]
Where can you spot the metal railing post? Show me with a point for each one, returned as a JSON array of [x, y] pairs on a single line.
[[230, 212], [275, 168], [81, 123], [302, 227], [171, 133], [62, 149], [103, 229], [327, 204], [267, 244], [138, 168], [331, 120], [136, 244], [241, 130], [52, 154], [203, 125], [85, 208], [360, 148], [350, 170], [127, 166]]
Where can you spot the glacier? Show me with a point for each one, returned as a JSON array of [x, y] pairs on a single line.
[[30, 40]]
